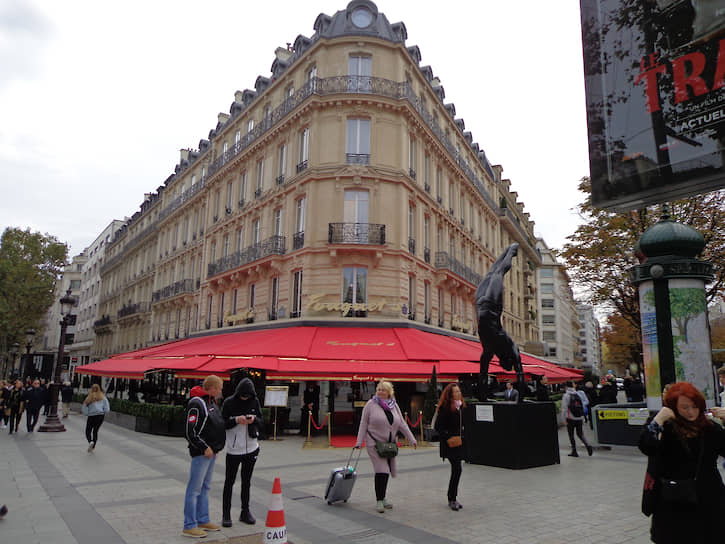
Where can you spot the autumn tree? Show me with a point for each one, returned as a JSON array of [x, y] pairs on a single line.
[[30, 264], [622, 344], [602, 250]]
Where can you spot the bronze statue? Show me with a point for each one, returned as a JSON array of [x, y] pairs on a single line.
[[495, 341]]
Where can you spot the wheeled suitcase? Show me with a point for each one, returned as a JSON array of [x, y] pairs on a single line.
[[342, 480]]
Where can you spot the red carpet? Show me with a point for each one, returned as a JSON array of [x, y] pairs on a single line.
[[343, 441]]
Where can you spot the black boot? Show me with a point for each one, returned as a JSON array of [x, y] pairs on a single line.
[[573, 453], [247, 517], [226, 519]]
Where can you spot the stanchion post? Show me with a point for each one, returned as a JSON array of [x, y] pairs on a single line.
[[329, 430], [407, 420], [420, 418], [309, 427], [275, 424]]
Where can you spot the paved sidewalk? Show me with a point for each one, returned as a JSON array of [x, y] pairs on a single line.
[[131, 489]]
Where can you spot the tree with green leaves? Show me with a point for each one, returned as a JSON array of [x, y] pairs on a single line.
[[602, 250], [30, 264]]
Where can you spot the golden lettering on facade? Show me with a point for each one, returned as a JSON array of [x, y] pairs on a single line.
[[316, 303]]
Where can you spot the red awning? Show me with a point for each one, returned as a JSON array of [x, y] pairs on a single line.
[[122, 367], [310, 352]]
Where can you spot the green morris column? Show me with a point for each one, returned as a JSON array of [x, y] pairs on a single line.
[[673, 309]]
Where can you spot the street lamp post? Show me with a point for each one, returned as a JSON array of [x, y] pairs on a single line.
[[52, 422], [29, 336]]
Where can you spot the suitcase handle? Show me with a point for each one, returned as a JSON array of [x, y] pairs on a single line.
[[349, 460]]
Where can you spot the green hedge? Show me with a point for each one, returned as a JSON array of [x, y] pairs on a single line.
[[154, 412]]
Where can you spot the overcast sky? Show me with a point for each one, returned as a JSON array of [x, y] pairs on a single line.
[[97, 98]]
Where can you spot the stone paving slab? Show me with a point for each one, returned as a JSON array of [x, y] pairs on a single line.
[[131, 489]]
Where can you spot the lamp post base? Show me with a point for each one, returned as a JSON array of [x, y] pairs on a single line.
[[52, 422]]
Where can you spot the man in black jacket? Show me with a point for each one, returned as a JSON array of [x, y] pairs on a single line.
[[35, 398], [205, 435], [244, 424]]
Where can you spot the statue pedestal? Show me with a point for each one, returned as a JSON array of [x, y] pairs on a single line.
[[509, 435]]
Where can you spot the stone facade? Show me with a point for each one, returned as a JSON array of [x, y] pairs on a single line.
[[341, 188]]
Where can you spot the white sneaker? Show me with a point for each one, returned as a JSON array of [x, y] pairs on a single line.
[[90, 447]]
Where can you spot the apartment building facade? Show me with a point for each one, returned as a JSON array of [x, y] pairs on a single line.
[[342, 187], [590, 345]]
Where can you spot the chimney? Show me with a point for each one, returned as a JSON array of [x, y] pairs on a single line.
[[222, 118], [184, 155], [238, 97]]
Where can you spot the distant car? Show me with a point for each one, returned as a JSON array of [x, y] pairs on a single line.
[[620, 383]]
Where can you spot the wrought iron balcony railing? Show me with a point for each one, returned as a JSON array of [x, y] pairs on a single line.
[[357, 158], [426, 254], [302, 166], [356, 233], [411, 245], [274, 245], [131, 309], [446, 262], [298, 240], [103, 322], [177, 288]]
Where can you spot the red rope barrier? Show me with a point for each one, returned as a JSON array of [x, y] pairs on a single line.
[[312, 419], [417, 421]]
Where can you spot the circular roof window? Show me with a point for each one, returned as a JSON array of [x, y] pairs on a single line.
[[362, 17]]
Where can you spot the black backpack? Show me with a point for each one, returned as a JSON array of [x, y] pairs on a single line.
[[576, 406]]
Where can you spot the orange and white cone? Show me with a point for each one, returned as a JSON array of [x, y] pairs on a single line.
[[275, 531]]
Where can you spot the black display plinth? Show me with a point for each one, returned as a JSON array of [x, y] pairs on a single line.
[[620, 424], [508, 435]]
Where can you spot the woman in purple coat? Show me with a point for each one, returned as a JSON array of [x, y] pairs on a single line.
[[381, 421]]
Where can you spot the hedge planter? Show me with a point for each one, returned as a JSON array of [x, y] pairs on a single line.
[[159, 419]]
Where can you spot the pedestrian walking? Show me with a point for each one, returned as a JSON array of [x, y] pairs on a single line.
[[95, 406], [688, 492], [206, 435], [591, 393], [542, 389], [449, 425], [35, 398], [244, 424], [572, 407], [380, 423], [66, 395], [46, 397], [4, 409], [16, 403]]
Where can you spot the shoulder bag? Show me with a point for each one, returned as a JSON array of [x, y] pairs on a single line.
[[386, 450]]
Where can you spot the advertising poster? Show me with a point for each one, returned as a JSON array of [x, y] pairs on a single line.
[[653, 382], [655, 85]]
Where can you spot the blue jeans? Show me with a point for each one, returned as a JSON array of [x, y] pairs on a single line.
[[196, 502]]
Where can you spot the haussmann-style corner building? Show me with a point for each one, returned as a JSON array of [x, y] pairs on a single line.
[[342, 190]]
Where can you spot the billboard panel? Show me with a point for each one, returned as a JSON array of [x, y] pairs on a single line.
[[655, 80]]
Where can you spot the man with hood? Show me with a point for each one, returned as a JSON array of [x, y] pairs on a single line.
[[244, 424], [205, 435]]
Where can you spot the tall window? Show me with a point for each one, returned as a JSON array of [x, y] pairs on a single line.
[[277, 218], [426, 172], [229, 196], [226, 246], [281, 162], [441, 309], [252, 294], [426, 232], [304, 145], [411, 224], [212, 252], [260, 176], [250, 126], [355, 215], [237, 137], [411, 297], [255, 232], [296, 294], [411, 155], [300, 204], [451, 195], [354, 289], [358, 141], [439, 185], [275, 298], [310, 76], [209, 301], [242, 188], [225, 148], [220, 311], [361, 67], [426, 301], [234, 301], [217, 201], [463, 207], [240, 238]]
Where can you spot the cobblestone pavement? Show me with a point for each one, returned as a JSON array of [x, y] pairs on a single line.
[[131, 489]]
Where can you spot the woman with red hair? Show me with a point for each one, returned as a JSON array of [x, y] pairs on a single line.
[[684, 445], [449, 424]]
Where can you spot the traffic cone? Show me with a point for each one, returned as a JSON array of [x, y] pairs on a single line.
[[275, 531]]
